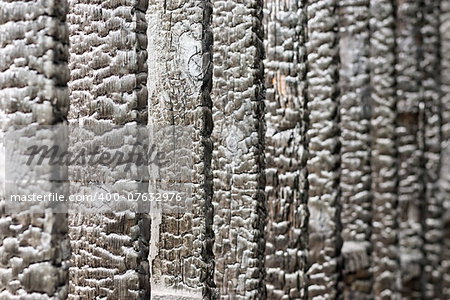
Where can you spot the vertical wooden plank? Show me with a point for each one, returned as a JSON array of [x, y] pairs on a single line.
[[108, 88], [238, 156], [180, 80], [433, 228], [354, 114], [286, 149], [34, 247], [444, 178], [323, 161], [384, 151], [410, 150]]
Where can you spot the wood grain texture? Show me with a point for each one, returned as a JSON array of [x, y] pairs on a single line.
[[444, 179], [433, 227], [320, 148], [108, 87], [180, 80], [286, 149], [355, 176], [34, 249], [238, 156], [323, 162], [409, 130], [385, 265]]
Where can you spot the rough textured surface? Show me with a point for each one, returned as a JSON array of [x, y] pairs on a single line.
[[433, 227], [108, 87], [108, 60], [410, 149], [384, 152], [355, 95], [323, 161], [180, 54], [355, 147], [286, 152], [34, 250], [238, 156], [444, 179]]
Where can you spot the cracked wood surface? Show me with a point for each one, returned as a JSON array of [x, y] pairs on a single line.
[[323, 160], [180, 74], [409, 130], [383, 158], [238, 156], [109, 250], [433, 226], [355, 98], [286, 149], [354, 114], [444, 178], [34, 250]]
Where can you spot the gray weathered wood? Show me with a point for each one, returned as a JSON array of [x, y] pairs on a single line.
[[34, 248], [433, 227], [323, 162], [108, 87], [410, 149], [180, 74], [355, 147], [286, 149], [383, 150], [238, 156], [444, 178]]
